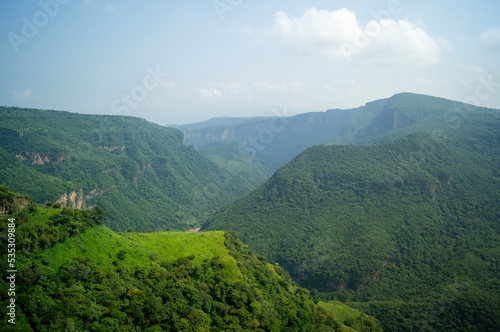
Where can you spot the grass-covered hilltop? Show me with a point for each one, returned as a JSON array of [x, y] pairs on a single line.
[[74, 274]]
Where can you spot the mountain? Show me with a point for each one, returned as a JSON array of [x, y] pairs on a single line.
[[404, 224], [140, 172], [74, 274], [274, 141], [407, 113]]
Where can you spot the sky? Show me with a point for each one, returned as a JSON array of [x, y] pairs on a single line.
[[177, 62]]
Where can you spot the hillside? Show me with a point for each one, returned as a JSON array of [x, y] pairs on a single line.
[[93, 279], [274, 141], [408, 229], [141, 173], [404, 114], [237, 162]]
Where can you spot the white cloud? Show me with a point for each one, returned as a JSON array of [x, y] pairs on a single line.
[[27, 93], [211, 93], [338, 34], [491, 39]]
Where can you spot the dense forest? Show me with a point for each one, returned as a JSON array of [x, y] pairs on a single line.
[[408, 230], [73, 274], [140, 172]]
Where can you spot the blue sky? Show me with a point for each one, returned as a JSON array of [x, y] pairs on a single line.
[[174, 62]]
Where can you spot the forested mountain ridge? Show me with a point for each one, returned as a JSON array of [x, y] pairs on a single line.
[[140, 172], [406, 113], [73, 274], [392, 226], [274, 141]]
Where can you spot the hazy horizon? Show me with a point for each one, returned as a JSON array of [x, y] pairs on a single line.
[[177, 63]]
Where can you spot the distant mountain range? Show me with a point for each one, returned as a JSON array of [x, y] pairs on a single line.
[[274, 141]]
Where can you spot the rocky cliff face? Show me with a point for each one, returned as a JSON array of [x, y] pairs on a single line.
[[78, 199], [40, 158], [209, 135], [149, 176], [72, 199]]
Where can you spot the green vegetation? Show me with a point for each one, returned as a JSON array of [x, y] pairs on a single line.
[[407, 230], [401, 224], [141, 173], [353, 318], [233, 159], [92, 279], [273, 142]]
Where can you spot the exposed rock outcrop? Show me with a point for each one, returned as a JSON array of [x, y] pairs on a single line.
[[40, 158], [72, 199]]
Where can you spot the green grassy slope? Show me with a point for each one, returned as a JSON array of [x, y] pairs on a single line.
[[355, 319], [140, 172], [93, 279], [103, 245]]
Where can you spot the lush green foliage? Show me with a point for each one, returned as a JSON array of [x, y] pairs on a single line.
[[141, 173], [98, 280], [233, 159], [406, 229], [414, 220]]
